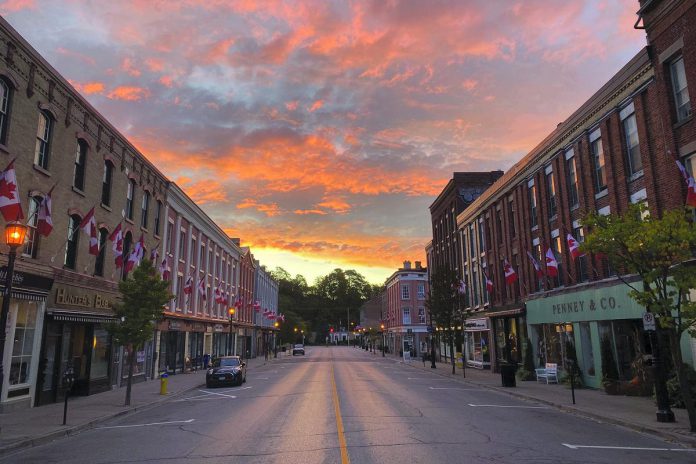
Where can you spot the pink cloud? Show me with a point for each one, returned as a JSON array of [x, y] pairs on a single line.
[[315, 106], [128, 93]]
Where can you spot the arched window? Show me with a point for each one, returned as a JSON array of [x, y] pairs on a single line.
[[43, 139], [5, 100], [31, 245], [145, 207], [127, 242], [106, 183], [129, 199], [80, 160], [73, 237], [101, 257]]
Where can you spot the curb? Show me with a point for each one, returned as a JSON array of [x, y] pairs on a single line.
[[680, 439], [72, 430]]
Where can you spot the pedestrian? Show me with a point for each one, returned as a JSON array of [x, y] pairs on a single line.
[[424, 355]]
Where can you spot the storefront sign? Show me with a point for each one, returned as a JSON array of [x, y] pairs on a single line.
[[476, 324], [22, 279], [218, 328], [84, 300], [175, 325], [198, 327], [587, 305]]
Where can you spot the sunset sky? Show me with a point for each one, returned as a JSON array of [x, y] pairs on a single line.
[[320, 132]]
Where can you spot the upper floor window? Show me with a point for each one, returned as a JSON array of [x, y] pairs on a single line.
[[600, 176], [71, 244], [531, 190], [572, 172], [580, 261], [43, 139], [31, 244], [80, 160], [145, 207], [182, 244], [5, 96], [481, 236], [129, 199], [407, 315], [630, 128], [421, 291], [106, 183], [551, 192], [472, 241], [421, 315], [101, 257], [158, 218], [680, 91], [405, 292], [170, 237], [511, 218], [499, 225]]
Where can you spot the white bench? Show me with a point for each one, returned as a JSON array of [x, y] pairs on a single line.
[[548, 373]]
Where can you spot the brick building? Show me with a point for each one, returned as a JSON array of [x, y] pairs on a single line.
[[265, 301], [460, 191], [611, 152], [405, 318]]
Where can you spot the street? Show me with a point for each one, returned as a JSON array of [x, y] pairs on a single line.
[[389, 412]]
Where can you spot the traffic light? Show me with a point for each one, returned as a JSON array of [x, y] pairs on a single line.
[[331, 330]]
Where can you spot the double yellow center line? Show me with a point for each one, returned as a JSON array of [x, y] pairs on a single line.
[[339, 421]]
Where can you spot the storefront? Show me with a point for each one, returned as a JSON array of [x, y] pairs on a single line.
[[195, 345], [477, 339], [509, 332], [75, 336], [220, 341], [172, 346], [581, 322], [23, 338]]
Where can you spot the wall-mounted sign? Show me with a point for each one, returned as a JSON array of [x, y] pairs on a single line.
[[175, 325], [22, 279], [476, 324], [84, 300]]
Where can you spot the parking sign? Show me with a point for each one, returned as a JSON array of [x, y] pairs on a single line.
[[648, 321]]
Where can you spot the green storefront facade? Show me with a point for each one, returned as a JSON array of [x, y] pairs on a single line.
[[583, 318]]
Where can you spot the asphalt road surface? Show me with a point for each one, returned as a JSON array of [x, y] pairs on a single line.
[[339, 405]]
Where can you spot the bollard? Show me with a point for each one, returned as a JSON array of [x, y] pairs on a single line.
[[164, 380]]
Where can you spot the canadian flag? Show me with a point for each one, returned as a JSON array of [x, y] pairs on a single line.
[[44, 222], [281, 317], [510, 274], [201, 289], [136, 255], [164, 269], [117, 238], [537, 266], [257, 306], [573, 247], [267, 314], [551, 263], [154, 254], [188, 288], [272, 316], [690, 184], [461, 287], [89, 226], [10, 206], [219, 297], [489, 282], [239, 303]]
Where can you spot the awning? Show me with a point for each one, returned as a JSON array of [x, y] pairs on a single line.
[[80, 316], [31, 295]]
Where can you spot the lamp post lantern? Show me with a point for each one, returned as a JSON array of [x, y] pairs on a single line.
[[381, 326], [15, 234]]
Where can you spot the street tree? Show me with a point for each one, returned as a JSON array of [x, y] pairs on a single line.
[[340, 294], [143, 296], [660, 252], [444, 306]]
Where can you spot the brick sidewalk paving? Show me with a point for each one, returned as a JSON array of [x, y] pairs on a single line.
[[29, 427]]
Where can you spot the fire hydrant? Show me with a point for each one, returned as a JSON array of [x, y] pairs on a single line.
[[164, 380]]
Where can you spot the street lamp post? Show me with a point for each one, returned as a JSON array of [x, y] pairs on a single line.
[[231, 311], [276, 324], [15, 233], [382, 327]]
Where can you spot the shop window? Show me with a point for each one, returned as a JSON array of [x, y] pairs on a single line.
[[106, 183], [627, 343], [5, 101], [31, 245], [101, 257], [477, 350], [22, 348], [80, 164], [587, 351], [71, 244], [43, 140], [101, 349], [139, 361]]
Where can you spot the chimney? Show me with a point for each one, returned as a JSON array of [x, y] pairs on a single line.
[[407, 264], [418, 265]]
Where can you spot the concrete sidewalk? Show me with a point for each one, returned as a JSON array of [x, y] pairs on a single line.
[[636, 413], [30, 427]]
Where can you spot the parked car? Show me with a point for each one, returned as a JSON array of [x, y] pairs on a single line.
[[226, 370], [298, 349]]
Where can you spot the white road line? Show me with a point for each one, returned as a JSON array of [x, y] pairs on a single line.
[[454, 388], [145, 425], [261, 378], [635, 448], [506, 406], [425, 378], [216, 393]]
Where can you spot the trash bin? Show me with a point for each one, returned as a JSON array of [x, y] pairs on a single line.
[[507, 374]]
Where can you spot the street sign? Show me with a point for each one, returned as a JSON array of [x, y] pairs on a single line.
[[648, 321], [430, 329]]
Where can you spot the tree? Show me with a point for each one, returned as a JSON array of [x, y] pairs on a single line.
[[143, 295], [443, 303], [660, 252]]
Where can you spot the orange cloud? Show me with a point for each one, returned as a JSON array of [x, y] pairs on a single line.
[[12, 6], [166, 81], [303, 212], [88, 88], [337, 204], [315, 106], [128, 93], [128, 66], [203, 191], [269, 210]]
